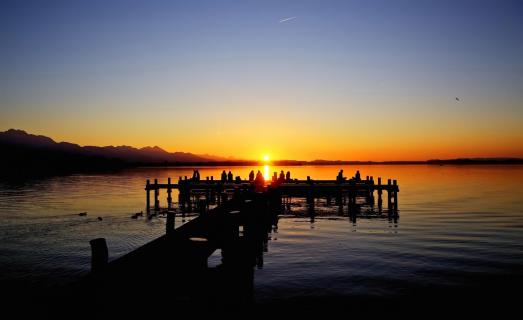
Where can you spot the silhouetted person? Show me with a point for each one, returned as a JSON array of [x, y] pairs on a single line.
[[288, 176], [238, 179], [251, 176], [259, 176], [230, 177], [224, 176], [340, 178], [196, 175], [259, 181], [275, 177], [357, 177], [281, 179]]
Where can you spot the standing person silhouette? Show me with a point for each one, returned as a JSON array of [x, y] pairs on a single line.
[[251, 176], [288, 176], [224, 176], [230, 177]]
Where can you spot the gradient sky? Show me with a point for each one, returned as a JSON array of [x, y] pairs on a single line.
[[353, 80]]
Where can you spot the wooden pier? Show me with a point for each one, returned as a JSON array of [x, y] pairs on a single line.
[[234, 217], [194, 194]]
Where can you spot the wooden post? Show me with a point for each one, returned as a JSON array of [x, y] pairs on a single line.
[[147, 196], [181, 196], [169, 224], [310, 201], [99, 254], [395, 183], [389, 195], [202, 207], [380, 200], [351, 206], [156, 194], [169, 191], [188, 199]]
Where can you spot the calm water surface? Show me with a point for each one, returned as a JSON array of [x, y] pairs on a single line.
[[454, 221]]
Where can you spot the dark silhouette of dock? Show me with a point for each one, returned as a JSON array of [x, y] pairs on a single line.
[[235, 217], [194, 194]]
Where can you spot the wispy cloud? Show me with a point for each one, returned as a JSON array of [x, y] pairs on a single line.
[[287, 19]]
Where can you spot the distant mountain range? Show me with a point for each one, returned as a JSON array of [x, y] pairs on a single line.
[[129, 154], [24, 154]]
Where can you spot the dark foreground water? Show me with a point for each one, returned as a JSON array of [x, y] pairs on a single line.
[[457, 223]]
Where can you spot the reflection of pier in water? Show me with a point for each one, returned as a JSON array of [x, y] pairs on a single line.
[[235, 218]]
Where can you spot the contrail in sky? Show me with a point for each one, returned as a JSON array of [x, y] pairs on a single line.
[[287, 19]]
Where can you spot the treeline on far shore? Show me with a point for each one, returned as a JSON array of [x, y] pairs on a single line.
[[461, 161], [18, 163]]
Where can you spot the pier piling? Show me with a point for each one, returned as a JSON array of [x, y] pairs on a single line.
[[169, 191], [99, 254], [148, 197], [156, 195], [169, 224]]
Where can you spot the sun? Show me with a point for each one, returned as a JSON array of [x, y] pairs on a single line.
[[266, 157]]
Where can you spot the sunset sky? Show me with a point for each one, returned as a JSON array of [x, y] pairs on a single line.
[[351, 80]]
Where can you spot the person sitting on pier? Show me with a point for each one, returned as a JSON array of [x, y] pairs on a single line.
[[238, 179], [259, 181], [357, 177], [340, 177], [288, 176], [282, 177], [224, 176], [230, 177], [251, 176], [196, 175]]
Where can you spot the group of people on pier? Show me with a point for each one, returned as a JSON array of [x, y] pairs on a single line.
[[341, 178], [258, 179], [228, 177], [282, 178]]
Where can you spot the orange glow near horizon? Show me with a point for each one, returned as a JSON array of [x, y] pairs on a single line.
[[344, 144], [429, 136]]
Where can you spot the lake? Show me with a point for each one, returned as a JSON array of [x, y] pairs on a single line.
[[456, 223]]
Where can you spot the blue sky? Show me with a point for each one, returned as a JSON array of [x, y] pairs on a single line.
[[94, 71]]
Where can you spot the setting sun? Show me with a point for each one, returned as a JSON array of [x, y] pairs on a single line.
[[266, 157]]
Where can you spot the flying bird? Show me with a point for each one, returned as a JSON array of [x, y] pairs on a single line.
[[457, 99], [287, 19]]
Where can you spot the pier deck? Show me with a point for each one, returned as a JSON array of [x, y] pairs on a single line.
[[209, 191]]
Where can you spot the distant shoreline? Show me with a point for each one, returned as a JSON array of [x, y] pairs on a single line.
[[464, 161], [28, 155]]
